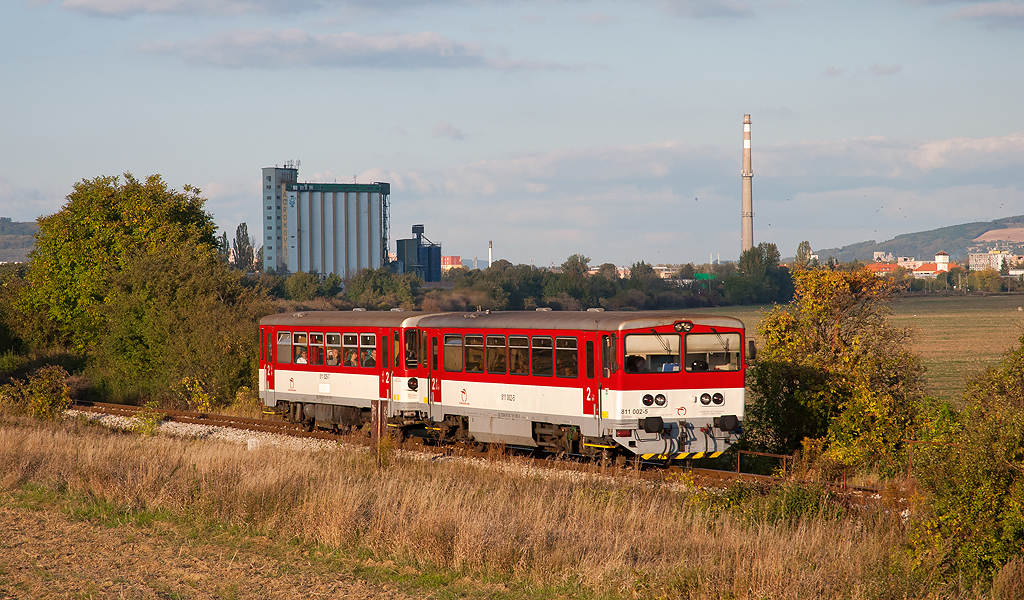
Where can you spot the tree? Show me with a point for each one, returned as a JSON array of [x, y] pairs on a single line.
[[609, 271], [576, 265], [975, 521], [301, 286], [102, 224], [177, 313], [244, 257], [834, 370], [803, 254], [761, 278]]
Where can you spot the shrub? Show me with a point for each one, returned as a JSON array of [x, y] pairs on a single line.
[[190, 392], [44, 395], [148, 420]]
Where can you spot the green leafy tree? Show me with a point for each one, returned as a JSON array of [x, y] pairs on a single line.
[[833, 369], [803, 254], [974, 520], [302, 286], [244, 256], [175, 314], [103, 223], [380, 289], [761, 278]]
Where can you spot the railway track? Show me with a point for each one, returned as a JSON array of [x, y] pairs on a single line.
[[650, 471]]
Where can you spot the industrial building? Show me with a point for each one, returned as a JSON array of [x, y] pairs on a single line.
[[273, 184], [324, 227], [420, 256], [336, 227]]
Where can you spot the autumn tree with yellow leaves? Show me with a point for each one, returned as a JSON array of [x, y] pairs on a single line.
[[835, 371]]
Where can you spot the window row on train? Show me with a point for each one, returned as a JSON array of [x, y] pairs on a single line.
[[539, 355], [330, 349]]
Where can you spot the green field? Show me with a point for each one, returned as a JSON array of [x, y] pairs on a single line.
[[956, 336]]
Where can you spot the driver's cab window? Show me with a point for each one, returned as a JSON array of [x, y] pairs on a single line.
[[652, 353], [712, 352]]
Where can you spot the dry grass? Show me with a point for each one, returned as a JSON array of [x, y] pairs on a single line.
[[599, 537]]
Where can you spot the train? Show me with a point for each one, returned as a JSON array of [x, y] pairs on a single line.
[[637, 385]]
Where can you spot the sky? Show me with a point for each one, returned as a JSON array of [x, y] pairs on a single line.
[[550, 127]]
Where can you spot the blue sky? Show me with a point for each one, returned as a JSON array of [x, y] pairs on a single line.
[[551, 127]]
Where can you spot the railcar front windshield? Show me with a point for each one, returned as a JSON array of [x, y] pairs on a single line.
[[712, 352], [653, 353]]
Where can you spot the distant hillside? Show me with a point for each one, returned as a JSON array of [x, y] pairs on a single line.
[[16, 239], [955, 240]]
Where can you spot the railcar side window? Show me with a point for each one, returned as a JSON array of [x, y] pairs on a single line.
[[384, 356], [270, 347], [590, 359], [333, 349], [452, 352], [474, 354], [412, 348], [567, 357], [541, 356], [518, 355], [284, 347], [433, 360], [263, 337], [712, 352], [398, 349], [652, 353], [368, 350], [496, 354], [350, 352], [299, 348], [316, 348]]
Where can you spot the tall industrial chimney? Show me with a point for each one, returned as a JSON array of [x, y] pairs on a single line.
[[748, 192], [490, 250]]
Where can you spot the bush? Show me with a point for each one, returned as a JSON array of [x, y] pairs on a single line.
[[44, 395]]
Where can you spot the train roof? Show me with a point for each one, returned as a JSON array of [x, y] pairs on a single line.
[[582, 320]]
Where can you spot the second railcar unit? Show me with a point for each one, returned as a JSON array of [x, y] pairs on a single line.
[[658, 385]]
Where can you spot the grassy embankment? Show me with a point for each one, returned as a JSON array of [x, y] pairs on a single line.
[[505, 533]]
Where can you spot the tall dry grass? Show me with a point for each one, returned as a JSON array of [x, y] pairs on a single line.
[[611, 538]]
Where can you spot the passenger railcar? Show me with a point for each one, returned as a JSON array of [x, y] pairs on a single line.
[[659, 385]]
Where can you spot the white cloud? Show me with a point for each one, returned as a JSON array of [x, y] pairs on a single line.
[[125, 8], [271, 49], [599, 18], [447, 130], [993, 15], [877, 69], [709, 9], [834, 71]]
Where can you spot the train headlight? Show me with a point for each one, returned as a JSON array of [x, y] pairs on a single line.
[[413, 383], [660, 400], [718, 398], [648, 400], [705, 399], [682, 326]]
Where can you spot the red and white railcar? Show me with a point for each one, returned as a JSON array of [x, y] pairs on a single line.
[[655, 384]]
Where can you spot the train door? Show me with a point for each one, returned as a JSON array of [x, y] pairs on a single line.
[[384, 362], [431, 351], [591, 385], [267, 350], [609, 366]]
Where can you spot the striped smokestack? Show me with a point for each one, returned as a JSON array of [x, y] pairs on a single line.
[[748, 192]]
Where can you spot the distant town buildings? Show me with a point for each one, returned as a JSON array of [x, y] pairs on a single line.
[[993, 259], [917, 268]]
